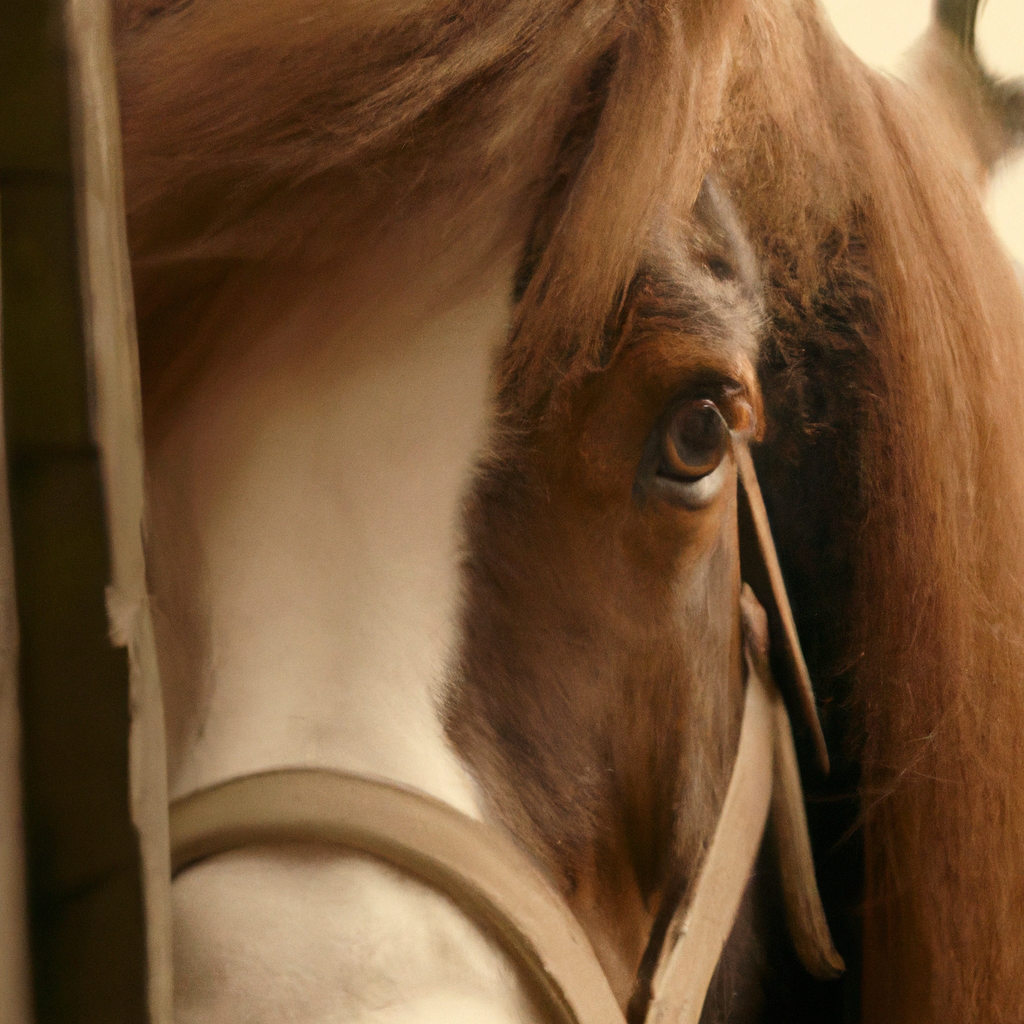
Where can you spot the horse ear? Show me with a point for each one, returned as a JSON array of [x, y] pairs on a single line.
[[984, 113]]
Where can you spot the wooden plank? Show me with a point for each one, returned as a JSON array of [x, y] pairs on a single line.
[[88, 930], [112, 346], [15, 989]]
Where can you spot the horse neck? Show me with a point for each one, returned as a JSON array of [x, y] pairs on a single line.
[[306, 486]]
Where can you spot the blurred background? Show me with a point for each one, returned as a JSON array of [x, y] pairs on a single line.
[[880, 31]]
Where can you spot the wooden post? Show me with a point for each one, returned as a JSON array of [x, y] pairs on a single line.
[[112, 348], [15, 995], [92, 762]]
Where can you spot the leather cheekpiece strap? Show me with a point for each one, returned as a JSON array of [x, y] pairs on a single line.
[[764, 777], [697, 933], [776, 596]]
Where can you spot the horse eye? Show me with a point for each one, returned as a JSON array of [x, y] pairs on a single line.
[[694, 441]]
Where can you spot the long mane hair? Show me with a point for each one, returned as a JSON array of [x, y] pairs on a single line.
[[896, 341], [891, 366]]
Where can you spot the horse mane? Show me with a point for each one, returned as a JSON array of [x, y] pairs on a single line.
[[896, 335], [897, 338]]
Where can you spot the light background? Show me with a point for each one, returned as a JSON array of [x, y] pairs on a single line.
[[880, 31]]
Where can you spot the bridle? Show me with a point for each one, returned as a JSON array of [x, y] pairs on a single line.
[[505, 893]]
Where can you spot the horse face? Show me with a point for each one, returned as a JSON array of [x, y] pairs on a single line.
[[598, 683]]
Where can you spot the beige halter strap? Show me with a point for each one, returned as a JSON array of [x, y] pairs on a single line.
[[501, 889], [493, 882], [765, 774]]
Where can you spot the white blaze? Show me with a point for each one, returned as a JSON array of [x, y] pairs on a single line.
[[313, 479]]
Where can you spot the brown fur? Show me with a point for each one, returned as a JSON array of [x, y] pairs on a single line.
[[599, 632], [894, 325]]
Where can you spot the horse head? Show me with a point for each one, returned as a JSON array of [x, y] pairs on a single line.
[[686, 228]]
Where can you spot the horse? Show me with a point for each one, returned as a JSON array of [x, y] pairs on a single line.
[[455, 319]]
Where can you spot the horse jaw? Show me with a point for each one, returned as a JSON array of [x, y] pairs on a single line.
[[305, 490]]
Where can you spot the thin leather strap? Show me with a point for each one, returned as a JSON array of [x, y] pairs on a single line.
[[491, 880], [764, 776], [804, 913], [695, 937], [780, 598]]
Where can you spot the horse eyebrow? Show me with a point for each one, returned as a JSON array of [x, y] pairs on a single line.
[[694, 322]]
